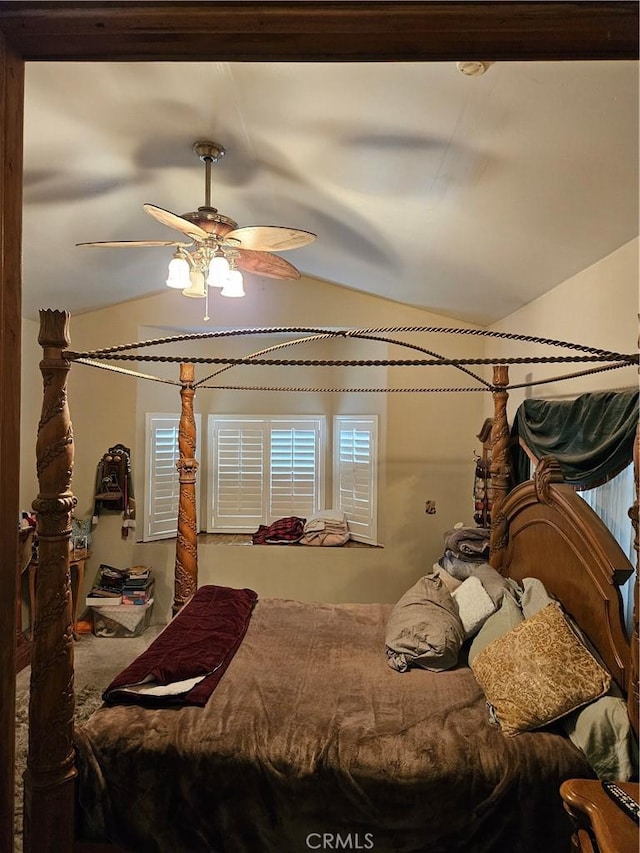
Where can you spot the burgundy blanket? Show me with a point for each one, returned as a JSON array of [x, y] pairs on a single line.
[[200, 641]]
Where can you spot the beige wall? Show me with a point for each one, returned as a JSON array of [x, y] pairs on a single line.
[[426, 440], [598, 307]]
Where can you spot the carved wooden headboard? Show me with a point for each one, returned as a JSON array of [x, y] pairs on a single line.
[[555, 536]]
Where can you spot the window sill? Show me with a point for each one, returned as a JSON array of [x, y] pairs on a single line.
[[245, 539]]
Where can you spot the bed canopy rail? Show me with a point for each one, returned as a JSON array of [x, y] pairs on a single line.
[[51, 773]]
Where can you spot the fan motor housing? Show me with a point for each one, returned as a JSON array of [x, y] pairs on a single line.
[[211, 221]]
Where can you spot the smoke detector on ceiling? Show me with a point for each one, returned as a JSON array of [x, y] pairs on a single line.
[[473, 69]]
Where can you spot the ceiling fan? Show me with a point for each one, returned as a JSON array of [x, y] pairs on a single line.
[[219, 249]]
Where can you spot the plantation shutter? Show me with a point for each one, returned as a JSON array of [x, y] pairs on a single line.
[[238, 451], [263, 469], [294, 480], [354, 473], [162, 485]]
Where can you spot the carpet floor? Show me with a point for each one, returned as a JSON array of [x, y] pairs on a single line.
[[97, 660]]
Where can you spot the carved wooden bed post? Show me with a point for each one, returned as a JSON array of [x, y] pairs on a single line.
[[633, 697], [51, 772], [186, 570], [500, 465]]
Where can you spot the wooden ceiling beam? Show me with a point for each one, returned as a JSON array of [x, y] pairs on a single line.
[[320, 31]]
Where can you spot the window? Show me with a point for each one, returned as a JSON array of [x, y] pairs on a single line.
[[264, 468], [611, 501], [355, 442], [258, 469], [162, 485]]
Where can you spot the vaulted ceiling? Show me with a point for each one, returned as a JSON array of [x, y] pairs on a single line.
[[468, 196]]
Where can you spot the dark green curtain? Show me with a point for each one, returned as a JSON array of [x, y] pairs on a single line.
[[591, 436]]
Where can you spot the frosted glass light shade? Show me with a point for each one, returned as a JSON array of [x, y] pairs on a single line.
[[196, 287], [178, 277], [234, 285], [218, 271]]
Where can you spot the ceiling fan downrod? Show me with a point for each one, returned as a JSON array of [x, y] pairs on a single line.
[[208, 152]]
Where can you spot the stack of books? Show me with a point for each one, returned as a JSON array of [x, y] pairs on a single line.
[[138, 586], [115, 587], [107, 589]]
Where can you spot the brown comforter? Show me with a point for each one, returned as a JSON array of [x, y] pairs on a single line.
[[311, 740]]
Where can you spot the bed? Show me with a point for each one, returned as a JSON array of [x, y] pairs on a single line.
[[310, 739]]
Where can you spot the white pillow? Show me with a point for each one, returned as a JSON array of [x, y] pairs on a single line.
[[474, 605]]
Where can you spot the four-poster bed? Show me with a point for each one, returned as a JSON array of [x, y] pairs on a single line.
[[30, 31], [540, 530]]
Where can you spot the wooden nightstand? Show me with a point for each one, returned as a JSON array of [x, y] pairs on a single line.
[[600, 825]]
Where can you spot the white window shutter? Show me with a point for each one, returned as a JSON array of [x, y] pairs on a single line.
[[354, 473], [264, 468], [238, 455], [162, 485], [294, 481]]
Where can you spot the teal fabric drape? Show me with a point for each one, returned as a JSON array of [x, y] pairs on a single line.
[[591, 436]]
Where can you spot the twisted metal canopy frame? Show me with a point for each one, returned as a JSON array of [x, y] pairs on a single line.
[[50, 785], [605, 360]]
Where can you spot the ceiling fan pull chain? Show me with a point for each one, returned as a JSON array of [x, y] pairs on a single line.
[[206, 317]]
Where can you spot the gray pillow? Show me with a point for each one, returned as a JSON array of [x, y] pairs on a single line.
[[494, 583], [535, 597], [448, 580], [424, 629], [602, 730], [502, 621], [458, 568]]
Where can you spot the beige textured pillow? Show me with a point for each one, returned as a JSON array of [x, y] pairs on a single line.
[[538, 672], [504, 620]]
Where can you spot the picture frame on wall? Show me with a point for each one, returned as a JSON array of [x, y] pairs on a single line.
[[80, 544]]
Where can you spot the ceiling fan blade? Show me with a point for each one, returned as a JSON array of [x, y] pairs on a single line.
[[268, 238], [174, 221], [262, 263], [133, 244]]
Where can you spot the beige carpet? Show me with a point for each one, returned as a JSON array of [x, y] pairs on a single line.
[[97, 660]]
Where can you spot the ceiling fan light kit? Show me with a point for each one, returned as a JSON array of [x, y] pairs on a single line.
[[178, 276], [218, 270], [219, 249], [234, 285], [196, 288]]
